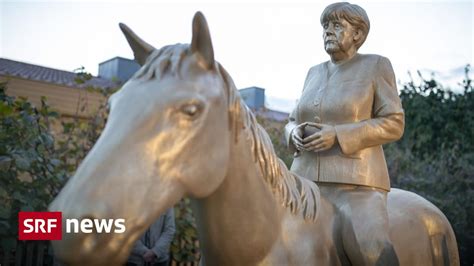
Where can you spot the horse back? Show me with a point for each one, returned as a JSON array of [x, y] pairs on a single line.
[[420, 232]]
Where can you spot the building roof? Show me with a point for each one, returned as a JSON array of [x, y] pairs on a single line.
[[253, 88], [117, 57], [50, 75]]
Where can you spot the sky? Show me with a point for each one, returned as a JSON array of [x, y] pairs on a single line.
[[269, 44]]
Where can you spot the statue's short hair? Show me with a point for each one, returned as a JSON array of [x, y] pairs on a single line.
[[353, 14]]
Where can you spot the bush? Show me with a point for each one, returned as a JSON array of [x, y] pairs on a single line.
[[31, 171], [185, 245], [35, 163], [435, 157]]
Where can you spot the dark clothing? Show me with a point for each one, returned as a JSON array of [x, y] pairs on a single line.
[[157, 238]]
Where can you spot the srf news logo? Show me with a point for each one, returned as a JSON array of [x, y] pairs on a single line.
[[48, 226], [39, 226]]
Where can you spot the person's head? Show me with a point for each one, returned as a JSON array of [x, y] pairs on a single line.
[[352, 18]]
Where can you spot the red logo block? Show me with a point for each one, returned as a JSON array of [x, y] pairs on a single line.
[[39, 226]]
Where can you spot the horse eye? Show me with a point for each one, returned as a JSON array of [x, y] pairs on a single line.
[[191, 110]]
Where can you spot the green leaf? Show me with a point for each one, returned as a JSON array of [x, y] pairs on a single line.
[[5, 109], [53, 114], [55, 162], [44, 102], [3, 193], [8, 243], [190, 232], [5, 163], [4, 227], [5, 212], [21, 162], [20, 197], [27, 208]]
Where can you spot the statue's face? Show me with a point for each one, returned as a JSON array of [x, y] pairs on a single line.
[[338, 36]]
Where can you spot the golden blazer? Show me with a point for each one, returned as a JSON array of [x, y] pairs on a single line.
[[360, 99]]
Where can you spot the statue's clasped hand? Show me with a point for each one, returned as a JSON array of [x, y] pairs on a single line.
[[319, 141]]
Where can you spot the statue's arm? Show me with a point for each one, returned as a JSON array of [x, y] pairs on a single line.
[[289, 129], [292, 124], [387, 122]]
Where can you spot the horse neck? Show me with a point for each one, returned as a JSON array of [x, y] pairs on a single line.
[[242, 209]]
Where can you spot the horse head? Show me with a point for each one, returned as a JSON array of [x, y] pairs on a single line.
[[167, 136]]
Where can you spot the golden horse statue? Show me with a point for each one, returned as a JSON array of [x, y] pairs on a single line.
[[179, 128]]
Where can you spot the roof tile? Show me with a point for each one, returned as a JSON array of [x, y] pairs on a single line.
[[40, 73]]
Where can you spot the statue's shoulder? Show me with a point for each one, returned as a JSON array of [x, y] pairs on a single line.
[[372, 59], [317, 68], [320, 65]]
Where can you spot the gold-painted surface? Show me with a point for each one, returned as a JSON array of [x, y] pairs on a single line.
[[179, 128]]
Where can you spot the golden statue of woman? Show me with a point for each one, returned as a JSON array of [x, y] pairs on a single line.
[[179, 128], [348, 109]]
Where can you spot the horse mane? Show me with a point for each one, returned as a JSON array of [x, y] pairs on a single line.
[[299, 194], [167, 60]]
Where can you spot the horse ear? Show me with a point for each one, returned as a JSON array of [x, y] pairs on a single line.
[[201, 42], [140, 48]]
